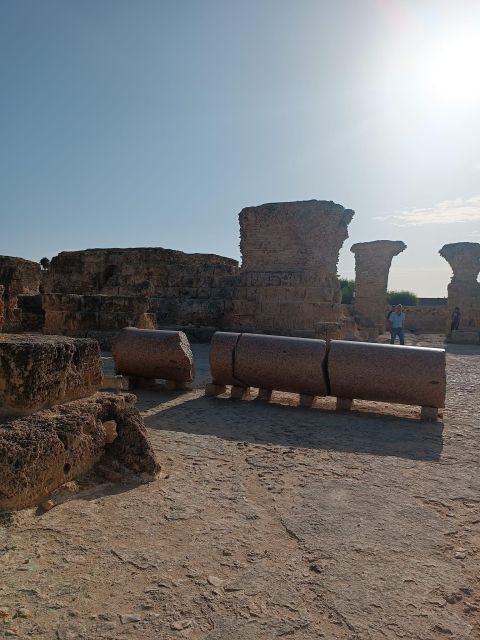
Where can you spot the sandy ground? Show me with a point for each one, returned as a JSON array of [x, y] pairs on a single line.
[[267, 521]]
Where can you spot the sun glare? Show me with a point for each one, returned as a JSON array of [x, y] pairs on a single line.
[[449, 69]]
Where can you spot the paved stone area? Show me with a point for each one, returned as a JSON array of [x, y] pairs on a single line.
[[267, 521]]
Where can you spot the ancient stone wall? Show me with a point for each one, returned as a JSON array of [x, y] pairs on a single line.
[[372, 265], [2, 307], [464, 289], [288, 281], [107, 289], [73, 314], [152, 272], [17, 277], [424, 319]]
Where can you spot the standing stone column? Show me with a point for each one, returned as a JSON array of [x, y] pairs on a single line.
[[464, 289], [372, 265], [288, 280]]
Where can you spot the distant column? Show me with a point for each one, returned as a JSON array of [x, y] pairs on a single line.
[[464, 290], [372, 265]]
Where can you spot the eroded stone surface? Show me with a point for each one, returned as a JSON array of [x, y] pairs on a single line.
[[41, 452], [145, 353], [41, 371], [288, 280], [17, 277], [372, 265], [117, 287]]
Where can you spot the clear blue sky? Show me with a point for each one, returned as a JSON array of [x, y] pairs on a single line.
[[153, 123]]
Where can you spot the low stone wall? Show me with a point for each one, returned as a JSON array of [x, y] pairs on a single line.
[[17, 277], [73, 314], [432, 319], [41, 452]]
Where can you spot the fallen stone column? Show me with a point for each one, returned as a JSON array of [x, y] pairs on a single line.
[[40, 452], [266, 362], [146, 353], [37, 372], [387, 373]]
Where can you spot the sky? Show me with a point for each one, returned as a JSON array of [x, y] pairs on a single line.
[[154, 122]]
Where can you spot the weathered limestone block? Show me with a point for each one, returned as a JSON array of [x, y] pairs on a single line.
[[144, 353], [75, 314], [41, 371], [277, 363], [41, 452], [17, 277], [464, 289], [372, 265], [387, 373], [288, 279]]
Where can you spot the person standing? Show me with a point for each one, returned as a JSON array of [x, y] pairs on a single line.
[[397, 323], [456, 316]]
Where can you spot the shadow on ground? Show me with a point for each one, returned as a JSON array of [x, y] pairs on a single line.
[[277, 424]]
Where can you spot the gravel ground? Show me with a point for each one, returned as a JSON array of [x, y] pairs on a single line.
[[267, 521]]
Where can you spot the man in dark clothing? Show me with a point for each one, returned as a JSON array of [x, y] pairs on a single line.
[[456, 315]]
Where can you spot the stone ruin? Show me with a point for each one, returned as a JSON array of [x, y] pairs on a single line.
[[19, 279], [287, 284], [288, 281], [55, 426], [372, 266], [464, 289], [108, 289]]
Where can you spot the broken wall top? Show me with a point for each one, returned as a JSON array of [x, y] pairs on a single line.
[[293, 236], [19, 276], [134, 271]]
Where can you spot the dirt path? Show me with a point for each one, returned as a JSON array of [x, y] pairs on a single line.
[[266, 522]]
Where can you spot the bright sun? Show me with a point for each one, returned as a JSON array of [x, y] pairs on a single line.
[[449, 68]]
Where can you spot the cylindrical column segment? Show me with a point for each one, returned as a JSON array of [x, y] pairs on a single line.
[[296, 365], [387, 373], [146, 353]]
